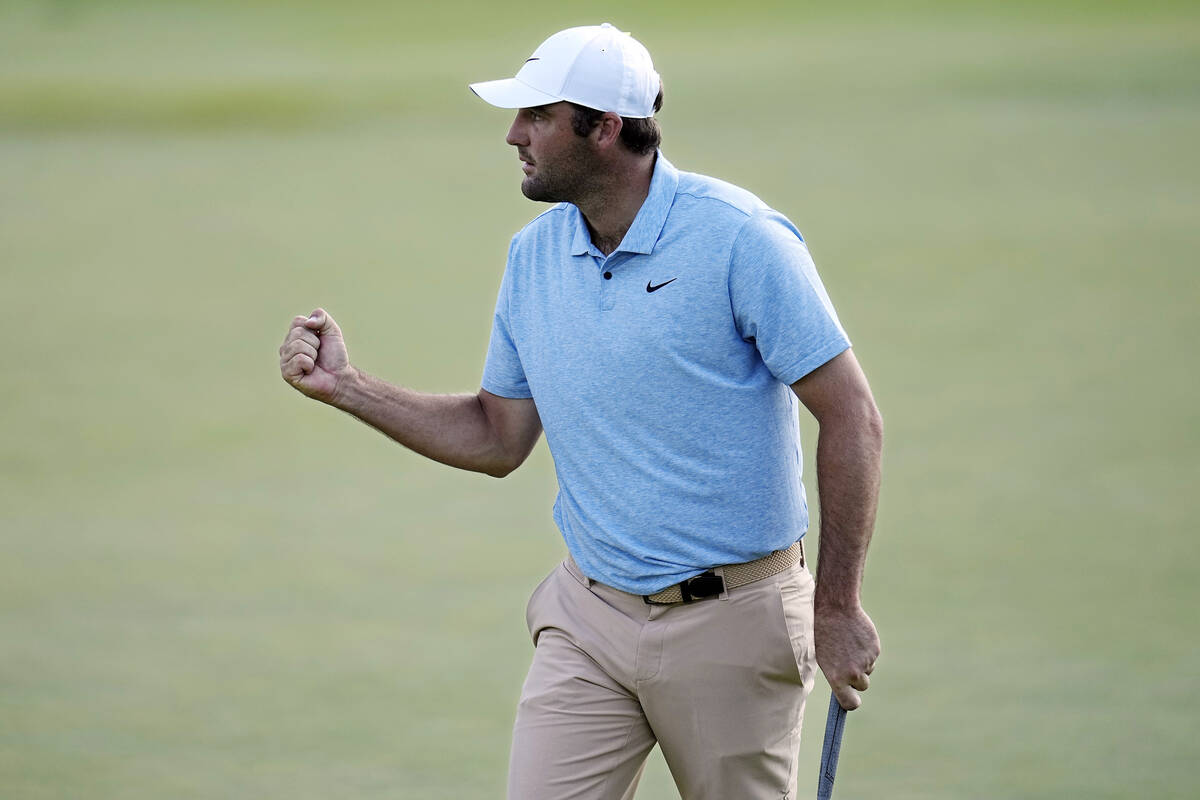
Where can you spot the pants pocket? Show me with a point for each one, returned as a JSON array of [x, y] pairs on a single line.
[[796, 594], [531, 607]]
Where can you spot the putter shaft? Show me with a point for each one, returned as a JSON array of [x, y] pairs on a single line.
[[835, 725]]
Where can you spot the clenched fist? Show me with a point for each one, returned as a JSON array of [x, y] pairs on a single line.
[[313, 356]]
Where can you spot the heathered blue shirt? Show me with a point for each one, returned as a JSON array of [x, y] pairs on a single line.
[[662, 376]]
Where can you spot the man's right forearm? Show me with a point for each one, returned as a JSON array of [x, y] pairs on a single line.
[[451, 428]]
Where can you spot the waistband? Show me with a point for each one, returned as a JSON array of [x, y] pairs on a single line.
[[717, 581]]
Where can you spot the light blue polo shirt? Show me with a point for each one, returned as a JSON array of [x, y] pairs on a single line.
[[662, 376]]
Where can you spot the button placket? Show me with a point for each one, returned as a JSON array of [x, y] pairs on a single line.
[[608, 285]]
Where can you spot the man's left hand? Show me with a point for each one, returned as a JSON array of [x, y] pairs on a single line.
[[847, 648]]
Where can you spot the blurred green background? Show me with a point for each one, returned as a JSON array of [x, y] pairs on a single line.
[[211, 587]]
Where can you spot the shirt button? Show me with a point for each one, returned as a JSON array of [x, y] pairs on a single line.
[[608, 276]]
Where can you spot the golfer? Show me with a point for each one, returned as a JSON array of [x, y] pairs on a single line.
[[663, 328]]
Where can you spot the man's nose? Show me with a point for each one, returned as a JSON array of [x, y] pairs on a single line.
[[516, 133]]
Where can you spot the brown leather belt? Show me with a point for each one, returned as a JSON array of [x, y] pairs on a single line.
[[715, 582]]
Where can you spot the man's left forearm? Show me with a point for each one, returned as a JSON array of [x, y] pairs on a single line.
[[849, 452]]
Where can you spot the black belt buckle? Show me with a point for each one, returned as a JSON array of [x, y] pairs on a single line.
[[702, 587]]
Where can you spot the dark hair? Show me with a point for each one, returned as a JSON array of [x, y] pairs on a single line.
[[641, 136]]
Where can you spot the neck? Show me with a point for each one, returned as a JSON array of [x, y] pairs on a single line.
[[614, 199]]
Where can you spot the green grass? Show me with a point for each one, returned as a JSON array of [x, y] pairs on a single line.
[[213, 588]]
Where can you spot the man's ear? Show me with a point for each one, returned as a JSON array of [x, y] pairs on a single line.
[[608, 130]]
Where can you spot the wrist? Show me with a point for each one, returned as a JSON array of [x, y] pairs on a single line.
[[836, 602], [348, 389]]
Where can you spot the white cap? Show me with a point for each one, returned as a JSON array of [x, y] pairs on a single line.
[[596, 66]]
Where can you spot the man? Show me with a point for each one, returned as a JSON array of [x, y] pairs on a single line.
[[661, 326]]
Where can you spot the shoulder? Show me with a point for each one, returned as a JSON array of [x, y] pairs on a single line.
[[768, 225], [554, 221], [738, 216], [542, 245], [718, 197]]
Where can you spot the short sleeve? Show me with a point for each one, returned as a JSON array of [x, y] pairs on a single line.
[[778, 299], [503, 373]]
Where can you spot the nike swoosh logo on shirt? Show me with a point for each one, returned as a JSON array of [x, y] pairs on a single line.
[[652, 288]]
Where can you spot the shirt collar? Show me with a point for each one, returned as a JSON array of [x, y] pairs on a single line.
[[647, 225]]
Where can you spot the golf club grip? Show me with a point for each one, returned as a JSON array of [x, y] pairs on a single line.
[[835, 725]]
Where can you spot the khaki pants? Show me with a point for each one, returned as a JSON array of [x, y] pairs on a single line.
[[720, 684]]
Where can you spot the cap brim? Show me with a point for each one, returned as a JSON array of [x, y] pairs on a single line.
[[512, 93]]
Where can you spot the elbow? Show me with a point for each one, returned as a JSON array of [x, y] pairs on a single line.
[[874, 421], [500, 466], [872, 426], [860, 419], [498, 470]]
